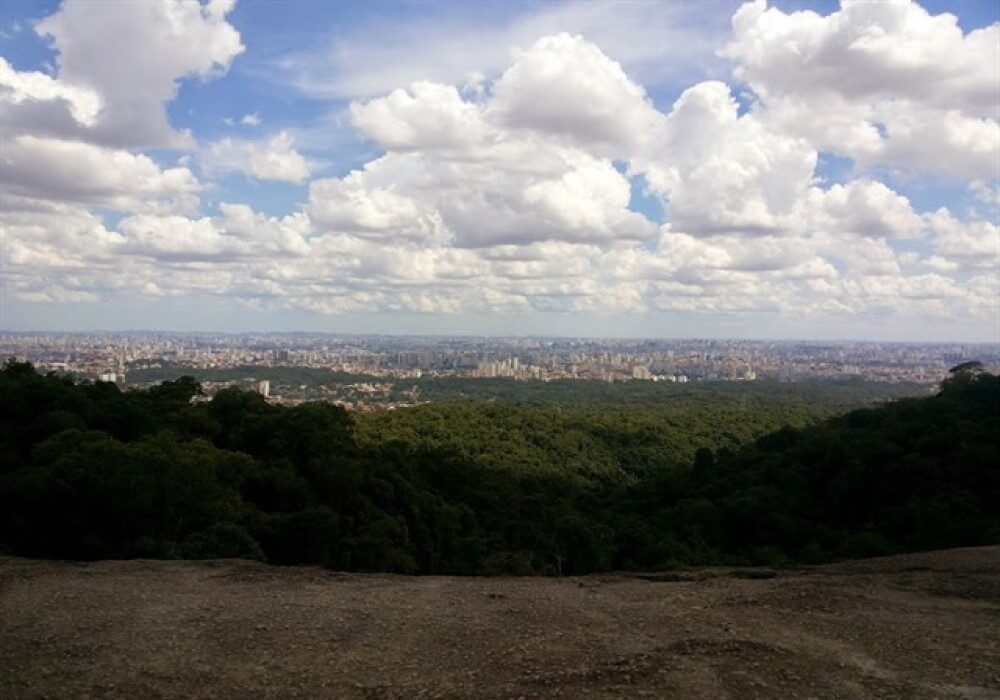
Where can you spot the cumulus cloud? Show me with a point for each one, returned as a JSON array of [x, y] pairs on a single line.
[[880, 82], [861, 207], [64, 252], [520, 178], [73, 138], [83, 103], [427, 116], [61, 238], [176, 237], [372, 211], [723, 172], [239, 233], [73, 171], [57, 253], [514, 189], [514, 192], [963, 245], [134, 57], [566, 87], [271, 159]]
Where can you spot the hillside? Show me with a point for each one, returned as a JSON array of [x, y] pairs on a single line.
[[916, 626], [90, 472]]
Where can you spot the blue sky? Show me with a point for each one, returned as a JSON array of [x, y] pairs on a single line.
[[304, 64]]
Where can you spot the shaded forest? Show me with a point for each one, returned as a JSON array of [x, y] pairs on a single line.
[[89, 472]]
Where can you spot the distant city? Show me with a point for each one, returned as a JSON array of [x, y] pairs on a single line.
[[139, 358]]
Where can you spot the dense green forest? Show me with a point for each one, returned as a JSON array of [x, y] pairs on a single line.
[[606, 437], [88, 471]]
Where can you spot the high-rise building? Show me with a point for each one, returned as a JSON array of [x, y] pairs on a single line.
[[641, 372], [264, 388]]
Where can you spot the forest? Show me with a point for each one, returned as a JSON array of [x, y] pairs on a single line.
[[506, 486]]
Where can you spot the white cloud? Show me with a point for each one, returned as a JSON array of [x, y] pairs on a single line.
[[166, 237], [510, 190], [515, 190], [134, 56], [881, 82], [964, 245], [723, 172], [53, 150], [425, 117], [268, 235], [566, 87], [60, 238], [867, 50], [18, 87], [519, 174], [862, 207], [73, 171], [251, 119], [239, 234], [273, 159], [350, 204]]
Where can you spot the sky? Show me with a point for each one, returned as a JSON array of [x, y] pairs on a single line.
[[783, 169]]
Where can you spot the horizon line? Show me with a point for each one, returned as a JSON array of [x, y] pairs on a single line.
[[783, 339]]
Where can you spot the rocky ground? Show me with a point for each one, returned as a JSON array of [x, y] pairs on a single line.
[[925, 625]]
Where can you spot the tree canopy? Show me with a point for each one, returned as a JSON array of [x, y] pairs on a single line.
[[89, 471]]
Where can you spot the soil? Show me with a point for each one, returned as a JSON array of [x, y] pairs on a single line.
[[916, 626]]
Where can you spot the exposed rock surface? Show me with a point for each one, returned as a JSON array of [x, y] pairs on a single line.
[[916, 626]]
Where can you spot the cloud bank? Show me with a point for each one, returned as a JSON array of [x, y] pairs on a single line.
[[516, 193]]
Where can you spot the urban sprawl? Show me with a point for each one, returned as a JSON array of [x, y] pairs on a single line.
[[368, 365]]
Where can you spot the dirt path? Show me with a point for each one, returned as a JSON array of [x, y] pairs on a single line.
[[923, 625]]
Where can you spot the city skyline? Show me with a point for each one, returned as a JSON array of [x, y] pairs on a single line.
[[107, 354], [761, 170], [262, 332]]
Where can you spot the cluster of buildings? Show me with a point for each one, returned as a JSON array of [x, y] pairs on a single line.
[[113, 356], [358, 396]]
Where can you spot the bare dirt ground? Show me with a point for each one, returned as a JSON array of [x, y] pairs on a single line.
[[924, 625]]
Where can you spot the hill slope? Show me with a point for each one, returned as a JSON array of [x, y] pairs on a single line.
[[89, 472]]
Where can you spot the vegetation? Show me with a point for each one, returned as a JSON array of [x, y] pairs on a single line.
[[88, 471], [617, 432]]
